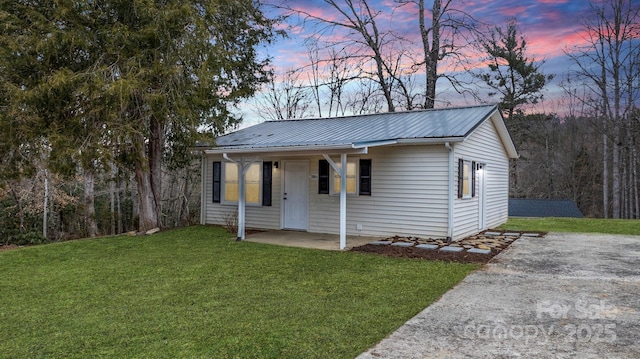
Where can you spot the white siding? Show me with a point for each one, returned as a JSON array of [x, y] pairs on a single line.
[[483, 146], [409, 196], [257, 216], [409, 192]]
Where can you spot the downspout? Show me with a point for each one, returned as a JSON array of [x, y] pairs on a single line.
[[203, 195], [451, 189]]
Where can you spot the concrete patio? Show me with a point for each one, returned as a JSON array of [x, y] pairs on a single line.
[[307, 239]]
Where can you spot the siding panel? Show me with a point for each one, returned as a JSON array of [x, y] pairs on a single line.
[[483, 146]]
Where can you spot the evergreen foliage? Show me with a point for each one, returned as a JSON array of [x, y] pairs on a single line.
[[89, 83]]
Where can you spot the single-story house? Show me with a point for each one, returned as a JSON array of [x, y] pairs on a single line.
[[526, 207], [440, 173]]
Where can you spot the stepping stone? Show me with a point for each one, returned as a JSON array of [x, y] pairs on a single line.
[[427, 246], [511, 234], [380, 243], [478, 250], [451, 249], [492, 233], [531, 235], [402, 244]]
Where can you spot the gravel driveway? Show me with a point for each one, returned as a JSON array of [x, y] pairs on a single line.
[[562, 296]]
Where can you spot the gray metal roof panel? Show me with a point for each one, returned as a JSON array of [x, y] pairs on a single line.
[[422, 124]]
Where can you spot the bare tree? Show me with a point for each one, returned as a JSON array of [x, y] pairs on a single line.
[[286, 97], [365, 39], [444, 35], [608, 63]]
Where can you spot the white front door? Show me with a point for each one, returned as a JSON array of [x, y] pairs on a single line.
[[295, 198], [480, 175]]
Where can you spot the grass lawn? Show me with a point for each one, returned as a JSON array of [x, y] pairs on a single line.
[[193, 293], [578, 225]]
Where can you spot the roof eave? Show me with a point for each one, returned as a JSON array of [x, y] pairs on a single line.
[[503, 133], [346, 148], [356, 147]]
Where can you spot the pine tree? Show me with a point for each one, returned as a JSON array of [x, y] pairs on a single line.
[[516, 78], [127, 79]]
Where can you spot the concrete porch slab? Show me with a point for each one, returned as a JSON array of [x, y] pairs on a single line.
[[308, 240]]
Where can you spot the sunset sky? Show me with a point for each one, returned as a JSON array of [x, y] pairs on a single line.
[[549, 26]]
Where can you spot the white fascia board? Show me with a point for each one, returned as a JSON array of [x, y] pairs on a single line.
[[503, 133], [290, 150], [430, 141], [374, 143]]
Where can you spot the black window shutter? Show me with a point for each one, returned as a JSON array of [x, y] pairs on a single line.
[[266, 182], [365, 177], [473, 179], [460, 176], [323, 177], [216, 181]]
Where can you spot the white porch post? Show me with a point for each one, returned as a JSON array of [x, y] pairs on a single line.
[[242, 170], [343, 201], [342, 170], [241, 199]]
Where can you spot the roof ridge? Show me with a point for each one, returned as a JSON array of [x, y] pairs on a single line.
[[383, 113]]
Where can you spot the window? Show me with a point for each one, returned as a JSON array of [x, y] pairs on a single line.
[[358, 178], [252, 183], [351, 179], [466, 179]]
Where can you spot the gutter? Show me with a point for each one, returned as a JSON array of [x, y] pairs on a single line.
[[450, 195], [356, 147]]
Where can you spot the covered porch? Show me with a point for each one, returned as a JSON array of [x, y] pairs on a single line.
[[307, 239]]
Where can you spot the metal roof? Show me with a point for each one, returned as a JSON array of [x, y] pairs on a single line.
[[438, 124], [523, 207]]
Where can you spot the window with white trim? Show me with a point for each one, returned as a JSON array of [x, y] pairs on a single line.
[[352, 176], [252, 182], [466, 178]]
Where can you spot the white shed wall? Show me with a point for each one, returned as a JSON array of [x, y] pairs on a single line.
[[267, 217], [409, 192], [409, 196], [483, 146]]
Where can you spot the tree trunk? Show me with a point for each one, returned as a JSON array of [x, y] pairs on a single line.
[[91, 226], [147, 214], [431, 50], [605, 178], [148, 174], [119, 206], [21, 215], [112, 198], [45, 205], [156, 144]]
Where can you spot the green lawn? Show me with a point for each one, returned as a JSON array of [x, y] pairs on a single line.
[[193, 293], [578, 225]]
